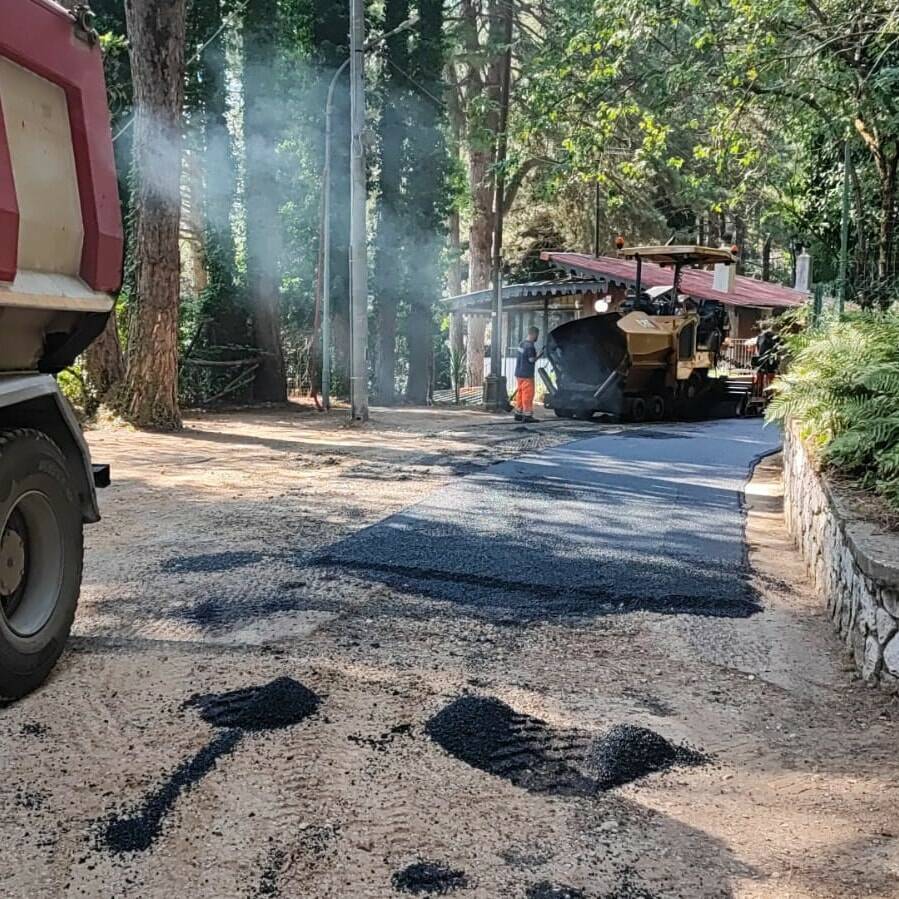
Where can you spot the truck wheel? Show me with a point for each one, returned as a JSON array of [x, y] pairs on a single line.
[[41, 555], [656, 408], [637, 410]]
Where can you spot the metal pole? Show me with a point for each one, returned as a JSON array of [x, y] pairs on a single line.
[[497, 397], [596, 204], [326, 242], [326, 210], [844, 229], [818, 304], [358, 236]]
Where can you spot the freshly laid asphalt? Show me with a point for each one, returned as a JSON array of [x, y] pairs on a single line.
[[636, 518]]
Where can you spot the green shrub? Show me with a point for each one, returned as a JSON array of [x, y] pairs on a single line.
[[841, 389], [75, 387]]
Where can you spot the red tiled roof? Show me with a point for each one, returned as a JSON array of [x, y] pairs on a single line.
[[695, 282]]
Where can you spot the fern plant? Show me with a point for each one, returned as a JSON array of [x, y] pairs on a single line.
[[841, 389]]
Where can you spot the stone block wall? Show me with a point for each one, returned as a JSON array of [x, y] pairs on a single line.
[[854, 564]]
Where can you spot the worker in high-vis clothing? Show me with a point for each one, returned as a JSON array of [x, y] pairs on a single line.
[[524, 376]]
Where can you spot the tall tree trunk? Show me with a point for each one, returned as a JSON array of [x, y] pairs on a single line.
[[480, 171], [861, 231], [766, 258], [454, 285], [330, 38], [104, 362], [481, 82], [454, 223], [427, 176], [476, 351], [886, 262], [480, 245], [740, 241], [391, 248], [262, 124], [156, 30], [223, 306]]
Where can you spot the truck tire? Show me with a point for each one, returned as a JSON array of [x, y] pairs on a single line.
[[656, 408], [637, 409], [41, 554]]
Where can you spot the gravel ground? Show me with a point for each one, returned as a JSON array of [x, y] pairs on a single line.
[[281, 613]]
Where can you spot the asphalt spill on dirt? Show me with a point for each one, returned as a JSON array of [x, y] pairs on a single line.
[[209, 562], [429, 878], [275, 705], [139, 830], [219, 613], [271, 872], [626, 889], [489, 735], [546, 890], [627, 753]]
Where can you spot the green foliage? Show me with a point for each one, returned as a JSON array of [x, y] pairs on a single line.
[[842, 391], [76, 388], [458, 365]]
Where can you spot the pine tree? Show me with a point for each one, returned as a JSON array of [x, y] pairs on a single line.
[[262, 125], [390, 275], [156, 33], [330, 41], [427, 197]]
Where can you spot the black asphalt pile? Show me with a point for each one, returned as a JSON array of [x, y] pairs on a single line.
[[489, 735], [278, 704], [281, 703], [547, 890], [627, 753], [429, 879]]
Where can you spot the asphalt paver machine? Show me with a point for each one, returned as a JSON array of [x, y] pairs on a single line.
[[60, 262], [651, 358]]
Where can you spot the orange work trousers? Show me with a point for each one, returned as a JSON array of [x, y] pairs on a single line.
[[525, 403]]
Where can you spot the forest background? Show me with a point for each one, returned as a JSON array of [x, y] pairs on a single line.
[[699, 120]]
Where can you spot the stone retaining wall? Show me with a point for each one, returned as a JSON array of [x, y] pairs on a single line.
[[854, 564]]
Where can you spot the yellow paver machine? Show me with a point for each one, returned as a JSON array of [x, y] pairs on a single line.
[[651, 357]]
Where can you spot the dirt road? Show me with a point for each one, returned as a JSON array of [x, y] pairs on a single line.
[[392, 733]]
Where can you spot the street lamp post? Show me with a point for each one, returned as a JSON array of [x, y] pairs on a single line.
[[496, 394], [358, 237], [326, 213]]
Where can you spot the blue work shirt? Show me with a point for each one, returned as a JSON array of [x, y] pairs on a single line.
[[527, 356]]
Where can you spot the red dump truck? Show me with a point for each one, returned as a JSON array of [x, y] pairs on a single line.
[[60, 261]]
